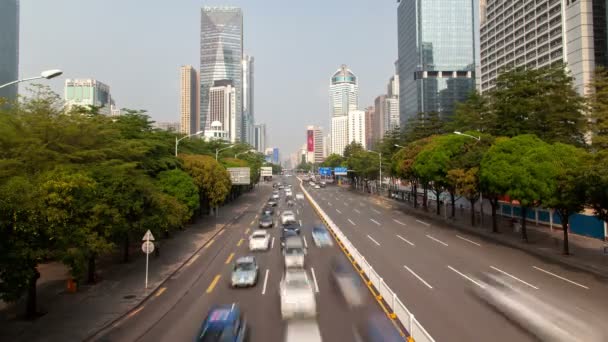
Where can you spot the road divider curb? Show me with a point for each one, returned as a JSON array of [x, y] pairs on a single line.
[[386, 298]]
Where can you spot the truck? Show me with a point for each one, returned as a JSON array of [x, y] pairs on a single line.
[[266, 173]]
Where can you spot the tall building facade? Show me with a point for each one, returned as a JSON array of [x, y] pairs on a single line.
[[260, 138], [436, 47], [314, 145], [9, 47], [356, 127], [248, 112], [168, 126], [370, 117], [379, 123], [536, 34], [221, 59], [188, 104], [391, 117], [339, 134], [223, 108], [88, 93]]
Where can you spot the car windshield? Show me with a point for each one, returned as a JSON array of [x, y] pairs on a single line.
[[217, 335], [245, 266], [297, 280], [319, 231], [258, 236], [266, 217], [293, 251]]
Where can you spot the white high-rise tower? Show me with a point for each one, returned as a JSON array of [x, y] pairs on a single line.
[[344, 98]]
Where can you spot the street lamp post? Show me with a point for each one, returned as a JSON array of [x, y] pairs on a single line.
[[48, 74], [480, 193], [188, 136], [248, 151], [218, 150]]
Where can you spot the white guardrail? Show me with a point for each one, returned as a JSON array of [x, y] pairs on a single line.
[[399, 311]]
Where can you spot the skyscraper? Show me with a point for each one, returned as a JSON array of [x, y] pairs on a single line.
[[370, 113], [260, 138], [339, 134], [188, 104], [221, 58], [222, 107], [391, 115], [356, 127], [9, 46], [88, 93], [379, 125], [436, 47], [343, 98], [248, 112], [314, 145]]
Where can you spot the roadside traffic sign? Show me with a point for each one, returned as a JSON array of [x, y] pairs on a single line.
[[147, 247], [148, 236]]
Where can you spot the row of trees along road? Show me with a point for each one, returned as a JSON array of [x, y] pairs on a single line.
[[539, 143], [76, 185]]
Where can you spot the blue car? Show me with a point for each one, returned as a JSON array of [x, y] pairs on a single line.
[[321, 237], [224, 323]]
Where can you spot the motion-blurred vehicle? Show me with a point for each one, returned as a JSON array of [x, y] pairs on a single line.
[[377, 328], [273, 202], [287, 216], [286, 234], [317, 186], [223, 323], [300, 197], [306, 330], [297, 295], [275, 195], [244, 272], [281, 187], [323, 184], [275, 185], [293, 226], [266, 221], [288, 193], [259, 241], [294, 252], [268, 210], [347, 283], [544, 320], [290, 203], [321, 237]]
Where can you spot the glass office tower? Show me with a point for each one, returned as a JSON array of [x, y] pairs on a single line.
[[221, 57], [9, 46], [436, 49]]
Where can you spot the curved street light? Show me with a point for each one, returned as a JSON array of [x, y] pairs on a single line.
[[47, 74], [248, 151], [187, 136], [468, 135], [218, 150]]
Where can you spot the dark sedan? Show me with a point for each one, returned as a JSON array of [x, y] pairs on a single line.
[[268, 210], [266, 221]]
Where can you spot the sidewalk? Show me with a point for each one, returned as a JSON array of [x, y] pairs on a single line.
[[586, 254], [74, 317]]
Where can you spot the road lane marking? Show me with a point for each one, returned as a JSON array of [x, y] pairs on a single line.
[[419, 278], [246, 230], [213, 283], [256, 216], [469, 241], [466, 277], [298, 211], [371, 238], [514, 277], [351, 222], [399, 222], [404, 239], [265, 281], [160, 291], [314, 278], [339, 212], [357, 211], [229, 258], [424, 223], [376, 222], [305, 243], [300, 222], [209, 243], [272, 243], [192, 260], [252, 222], [376, 211], [562, 278], [240, 242], [329, 204], [441, 242], [135, 312]]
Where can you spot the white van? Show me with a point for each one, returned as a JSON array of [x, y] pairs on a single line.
[[302, 331]]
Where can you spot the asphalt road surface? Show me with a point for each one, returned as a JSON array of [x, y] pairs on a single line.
[[432, 269], [177, 310]]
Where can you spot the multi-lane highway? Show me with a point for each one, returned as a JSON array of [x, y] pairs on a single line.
[[176, 311], [432, 269]]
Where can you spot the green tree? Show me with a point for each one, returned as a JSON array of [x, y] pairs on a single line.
[[212, 180], [598, 108], [403, 164], [351, 149], [466, 183], [180, 185], [474, 114], [596, 182], [304, 166], [333, 160], [424, 125]]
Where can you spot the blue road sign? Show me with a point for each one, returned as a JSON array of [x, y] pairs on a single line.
[[340, 171], [325, 171]]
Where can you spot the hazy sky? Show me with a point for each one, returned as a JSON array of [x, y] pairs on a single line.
[[137, 47]]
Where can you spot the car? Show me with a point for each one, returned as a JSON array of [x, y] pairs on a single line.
[[292, 226], [259, 241], [287, 216], [377, 328], [223, 323], [288, 193], [300, 196], [312, 183], [273, 202], [281, 187], [323, 184], [244, 272], [275, 195], [347, 283], [317, 186], [294, 252], [285, 234], [266, 221], [302, 331], [268, 210], [297, 295], [321, 237]]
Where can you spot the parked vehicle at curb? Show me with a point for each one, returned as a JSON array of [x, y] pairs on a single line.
[[223, 323], [244, 272]]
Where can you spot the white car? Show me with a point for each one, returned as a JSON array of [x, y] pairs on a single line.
[[317, 186], [275, 195], [303, 331], [297, 295], [259, 240], [288, 216], [288, 193], [300, 197]]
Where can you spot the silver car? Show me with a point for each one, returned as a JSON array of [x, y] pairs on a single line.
[[244, 272], [297, 295]]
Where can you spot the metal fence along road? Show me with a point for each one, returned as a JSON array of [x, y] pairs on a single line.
[[398, 310]]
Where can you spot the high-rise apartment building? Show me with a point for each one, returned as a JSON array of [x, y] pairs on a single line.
[[391, 115], [9, 47], [188, 104], [436, 48], [326, 146], [538, 33], [260, 138], [379, 124], [221, 59], [314, 145], [356, 127], [339, 134], [248, 112], [370, 113], [343, 92], [223, 108], [88, 93]]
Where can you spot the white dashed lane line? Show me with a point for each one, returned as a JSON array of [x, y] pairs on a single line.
[[399, 222], [351, 222], [437, 240], [376, 222], [406, 240], [376, 242], [469, 241], [514, 277], [560, 277]]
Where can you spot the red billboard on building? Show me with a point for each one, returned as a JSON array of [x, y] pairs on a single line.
[[311, 140]]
